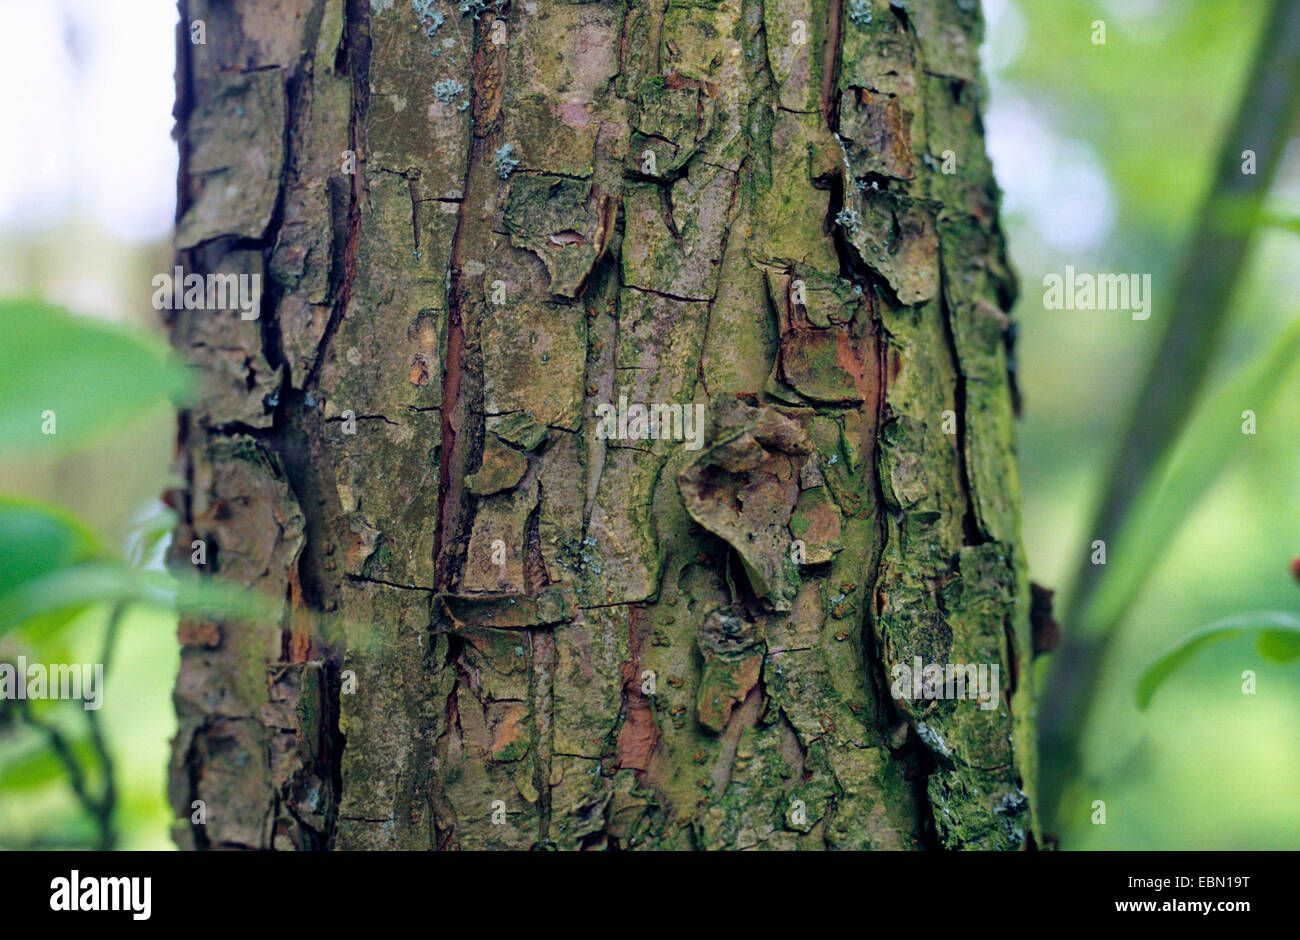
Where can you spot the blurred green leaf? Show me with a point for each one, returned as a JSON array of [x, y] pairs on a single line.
[[1279, 646], [37, 538], [36, 765], [79, 585], [92, 375], [30, 772], [1279, 641], [1165, 500]]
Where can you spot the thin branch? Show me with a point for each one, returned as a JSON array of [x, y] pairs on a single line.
[[108, 800], [101, 808], [63, 751]]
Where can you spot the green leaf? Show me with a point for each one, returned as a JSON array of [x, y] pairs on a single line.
[[38, 538], [34, 765], [35, 770], [90, 374], [1279, 641], [1279, 646], [1167, 497], [109, 582]]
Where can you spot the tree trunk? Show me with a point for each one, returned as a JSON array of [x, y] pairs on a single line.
[[512, 618]]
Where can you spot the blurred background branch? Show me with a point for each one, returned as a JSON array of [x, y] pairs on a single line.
[[1175, 380]]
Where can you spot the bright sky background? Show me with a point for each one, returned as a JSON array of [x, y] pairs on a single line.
[[87, 113], [1057, 185]]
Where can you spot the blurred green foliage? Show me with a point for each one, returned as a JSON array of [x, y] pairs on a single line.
[[65, 381], [90, 376], [1206, 766], [1278, 641]]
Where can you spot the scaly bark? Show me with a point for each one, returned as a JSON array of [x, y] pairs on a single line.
[[736, 203]]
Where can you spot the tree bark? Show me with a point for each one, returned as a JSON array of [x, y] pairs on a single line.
[[502, 626]]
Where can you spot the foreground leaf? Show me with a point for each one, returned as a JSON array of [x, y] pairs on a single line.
[[89, 375], [38, 538], [107, 582], [1278, 641]]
